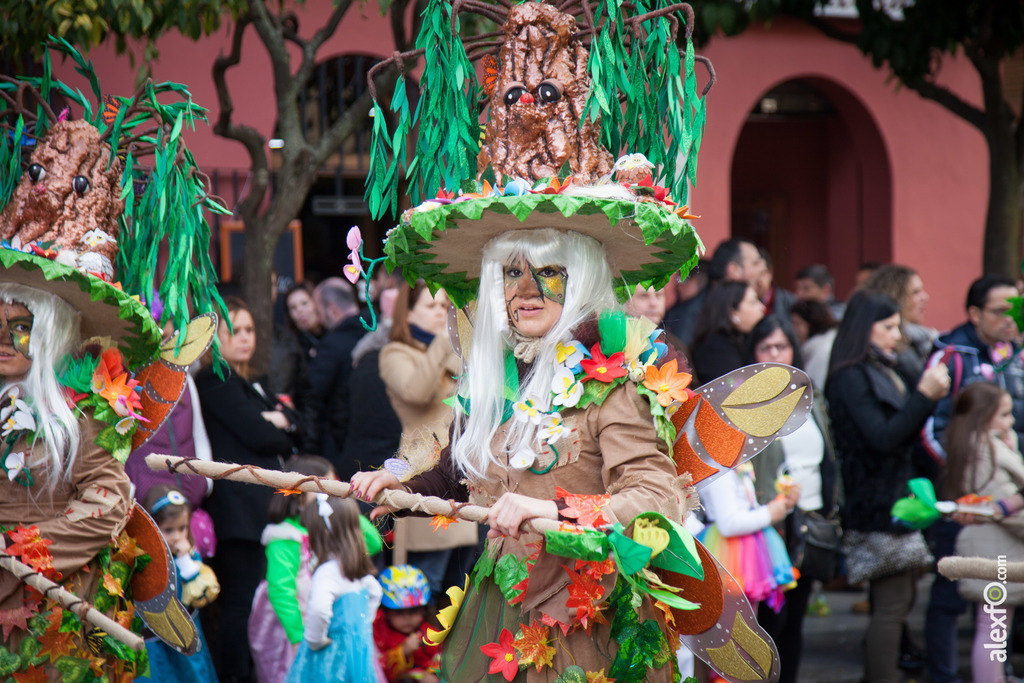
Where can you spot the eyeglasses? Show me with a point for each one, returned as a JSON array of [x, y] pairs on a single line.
[[773, 348]]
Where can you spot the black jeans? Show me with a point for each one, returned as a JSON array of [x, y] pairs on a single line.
[[240, 565]]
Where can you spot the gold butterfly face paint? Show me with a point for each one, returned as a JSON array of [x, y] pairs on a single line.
[[15, 337], [534, 296]]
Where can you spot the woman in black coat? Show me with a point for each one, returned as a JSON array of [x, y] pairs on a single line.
[[731, 309], [876, 409], [245, 426]]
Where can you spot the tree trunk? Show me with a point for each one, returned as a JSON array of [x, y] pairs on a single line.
[[1002, 251], [259, 253]]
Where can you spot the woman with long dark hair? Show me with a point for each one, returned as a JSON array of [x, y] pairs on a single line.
[[731, 309], [876, 409]]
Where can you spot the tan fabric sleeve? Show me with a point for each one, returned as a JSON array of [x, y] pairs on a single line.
[[415, 376], [97, 508], [639, 476]]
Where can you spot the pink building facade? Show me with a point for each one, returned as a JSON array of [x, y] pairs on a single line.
[[874, 173]]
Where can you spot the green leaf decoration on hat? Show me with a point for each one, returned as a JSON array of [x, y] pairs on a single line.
[[165, 205], [433, 236], [641, 88]]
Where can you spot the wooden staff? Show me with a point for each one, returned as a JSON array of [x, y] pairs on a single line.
[[70, 601], [954, 568], [397, 499]]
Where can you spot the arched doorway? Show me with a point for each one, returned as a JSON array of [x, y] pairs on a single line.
[[811, 181]]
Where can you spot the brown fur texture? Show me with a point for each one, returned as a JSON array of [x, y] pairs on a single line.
[[51, 209], [533, 140]]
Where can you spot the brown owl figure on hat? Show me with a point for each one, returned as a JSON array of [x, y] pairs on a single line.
[[69, 195], [538, 100]]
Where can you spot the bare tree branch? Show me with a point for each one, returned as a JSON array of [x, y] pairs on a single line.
[[250, 138]]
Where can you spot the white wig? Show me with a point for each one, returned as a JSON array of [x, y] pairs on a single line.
[[588, 292], [55, 333]]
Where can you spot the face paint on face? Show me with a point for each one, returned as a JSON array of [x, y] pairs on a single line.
[[551, 281], [546, 282], [20, 329]]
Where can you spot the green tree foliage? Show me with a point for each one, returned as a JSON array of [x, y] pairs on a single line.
[[24, 26]]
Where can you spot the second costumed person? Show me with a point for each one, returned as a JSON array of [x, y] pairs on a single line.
[[567, 409]]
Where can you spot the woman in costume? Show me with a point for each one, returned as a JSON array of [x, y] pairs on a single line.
[[75, 352], [65, 498], [538, 288], [566, 408]]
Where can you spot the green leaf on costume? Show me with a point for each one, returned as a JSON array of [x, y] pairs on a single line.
[[591, 545], [72, 669], [38, 625], [680, 555], [9, 662], [509, 571], [29, 653], [672, 599], [630, 556], [572, 674], [644, 648], [70, 622], [119, 445], [596, 392], [485, 565]]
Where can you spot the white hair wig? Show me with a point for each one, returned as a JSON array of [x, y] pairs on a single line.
[[588, 292], [55, 333]]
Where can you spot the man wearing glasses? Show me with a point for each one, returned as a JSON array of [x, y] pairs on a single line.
[[983, 349]]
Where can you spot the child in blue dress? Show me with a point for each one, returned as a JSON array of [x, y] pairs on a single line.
[[197, 587], [343, 599]]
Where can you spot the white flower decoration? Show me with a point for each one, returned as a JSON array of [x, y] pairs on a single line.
[[570, 353], [565, 387], [552, 428], [522, 459], [15, 464], [527, 411], [16, 415]]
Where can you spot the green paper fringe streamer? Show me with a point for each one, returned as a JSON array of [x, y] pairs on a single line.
[[170, 211]]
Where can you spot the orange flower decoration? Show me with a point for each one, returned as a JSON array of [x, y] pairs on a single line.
[[441, 522], [684, 213], [289, 492], [669, 384], [555, 186]]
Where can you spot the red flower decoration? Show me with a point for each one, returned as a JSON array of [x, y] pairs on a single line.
[[503, 654], [660, 193], [604, 369], [585, 509], [45, 253]]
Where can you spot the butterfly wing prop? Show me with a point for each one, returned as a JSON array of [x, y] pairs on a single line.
[[155, 587], [733, 418], [163, 380]]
